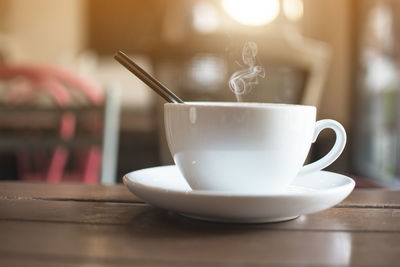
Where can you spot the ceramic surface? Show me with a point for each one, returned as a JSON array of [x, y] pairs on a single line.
[[245, 147], [165, 187]]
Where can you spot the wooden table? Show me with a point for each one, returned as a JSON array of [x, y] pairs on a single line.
[[72, 224]]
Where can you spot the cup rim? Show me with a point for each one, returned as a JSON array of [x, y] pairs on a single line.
[[205, 104]]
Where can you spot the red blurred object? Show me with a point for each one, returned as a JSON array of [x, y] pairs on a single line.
[[30, 82]]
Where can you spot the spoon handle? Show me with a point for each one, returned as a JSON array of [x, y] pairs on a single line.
[[152, 82]]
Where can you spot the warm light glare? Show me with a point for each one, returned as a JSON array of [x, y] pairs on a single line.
[[207, 70], [252, 12], [205, 17], [293, 9]]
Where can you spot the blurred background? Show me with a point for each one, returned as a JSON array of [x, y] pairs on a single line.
[[70, 112]]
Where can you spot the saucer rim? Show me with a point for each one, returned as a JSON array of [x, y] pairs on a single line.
[[349, 183]]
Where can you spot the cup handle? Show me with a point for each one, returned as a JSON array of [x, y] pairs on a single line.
[[336, 150]]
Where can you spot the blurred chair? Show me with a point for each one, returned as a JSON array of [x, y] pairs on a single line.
[[313, 56], [48, 96]]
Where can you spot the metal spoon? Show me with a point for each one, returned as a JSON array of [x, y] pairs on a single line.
[[152, 82]]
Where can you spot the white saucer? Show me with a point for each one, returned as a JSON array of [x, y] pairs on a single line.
[[165, 187]]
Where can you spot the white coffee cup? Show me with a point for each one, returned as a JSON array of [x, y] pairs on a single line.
[[248, 148]]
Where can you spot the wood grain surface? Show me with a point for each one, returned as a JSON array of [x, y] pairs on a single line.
[[97, 225]]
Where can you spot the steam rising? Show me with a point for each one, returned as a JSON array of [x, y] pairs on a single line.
[[243, 81]]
